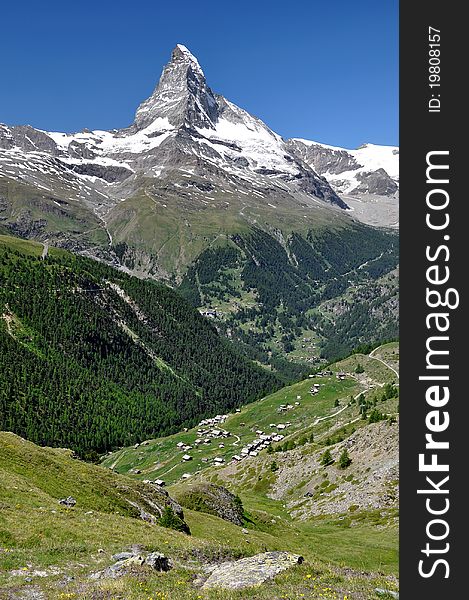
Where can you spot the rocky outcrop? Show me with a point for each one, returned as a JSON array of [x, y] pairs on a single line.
[[69, 502], [27, 139], [251, 571], [129, 561], [324, 159], [369, 169], [151, 503], [111, 174], [377, 182], [370, 482], [214, 500]]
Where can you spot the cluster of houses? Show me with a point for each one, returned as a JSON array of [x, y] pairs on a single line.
[[314, 389], [262, 441], [209, 430], [322, 374], [208, 433], [284, 407], [158, 482], [162, 483], [213, 421]]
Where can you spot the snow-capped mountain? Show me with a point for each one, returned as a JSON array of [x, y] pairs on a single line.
[[191, 168], [202, 195], [369, 169], [183, 126], [367, 178]]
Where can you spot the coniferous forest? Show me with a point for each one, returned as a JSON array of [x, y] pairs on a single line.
[[93, 358], [292, 281]]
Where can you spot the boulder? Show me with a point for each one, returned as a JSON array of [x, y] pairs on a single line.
[[68, 502], [158, 561], [133, 561], [126, 561], [122, 556], [251, 571]]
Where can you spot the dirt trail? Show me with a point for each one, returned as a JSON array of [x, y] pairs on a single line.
[[382, 361]]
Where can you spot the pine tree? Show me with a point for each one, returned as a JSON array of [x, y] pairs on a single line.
[[326, 458], [170, 520], [344, 460]]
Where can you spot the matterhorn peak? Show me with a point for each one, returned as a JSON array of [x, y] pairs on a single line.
[[182, 95], [183, 54]]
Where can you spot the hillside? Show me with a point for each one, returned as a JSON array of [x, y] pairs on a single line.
[[307, 422], [273, 294], [92, 358], [49, 551]]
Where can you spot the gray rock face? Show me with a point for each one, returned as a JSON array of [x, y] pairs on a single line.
[[324, 160], [150, 507], [111, 174], [122, 556], [377, 182], [127, 561], [351, 171], [27, 139], [251, 571], [182, 95], [158, 561]]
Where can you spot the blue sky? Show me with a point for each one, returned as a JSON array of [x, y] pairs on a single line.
[[325, 70]]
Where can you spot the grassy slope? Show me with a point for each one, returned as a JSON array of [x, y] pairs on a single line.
[[38, 534], [366, 541], [161, 459], [178, 227], [27, 247], [28, 206]]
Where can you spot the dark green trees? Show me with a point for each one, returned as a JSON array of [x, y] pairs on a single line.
[[91, 358]]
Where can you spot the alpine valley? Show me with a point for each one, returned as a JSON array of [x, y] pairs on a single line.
[[199, 365], [268, 237]]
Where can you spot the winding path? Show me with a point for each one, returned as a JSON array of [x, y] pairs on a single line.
[[382, 361], [319, 419], [166, 472]]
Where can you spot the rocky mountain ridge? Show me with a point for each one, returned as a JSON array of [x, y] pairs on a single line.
[[189, 150], [369, 169], [183, 126]]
